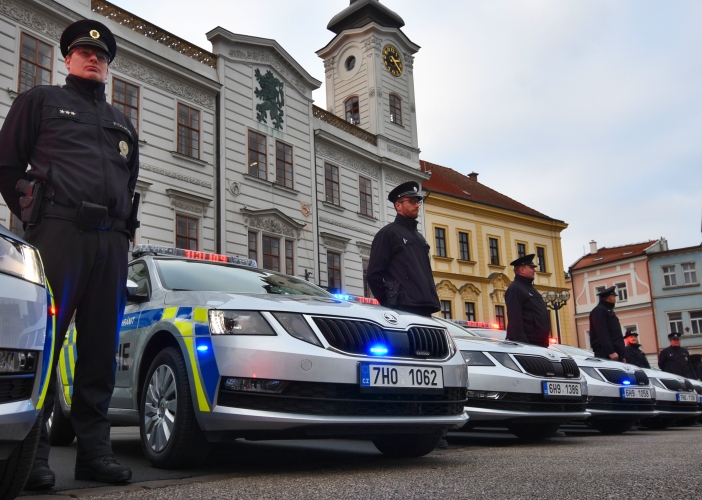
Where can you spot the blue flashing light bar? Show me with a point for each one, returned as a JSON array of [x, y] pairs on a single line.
[[355, 298], [378, 350], [342, 296], [190, 254]]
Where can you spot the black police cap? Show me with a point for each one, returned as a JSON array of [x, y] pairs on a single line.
[[674, 336], [608, 291], [629, 333], [88, 32], [527, 260], [410, 189]]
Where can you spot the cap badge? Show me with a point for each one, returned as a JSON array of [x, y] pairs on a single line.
[[123, 148], [94, 34]]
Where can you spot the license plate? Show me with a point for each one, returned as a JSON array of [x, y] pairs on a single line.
[[393, 376], [636, 393], [562, 390], [687, 398]]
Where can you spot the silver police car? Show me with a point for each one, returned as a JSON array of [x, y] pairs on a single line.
[[212, 349], [27, 324], [676, 399]]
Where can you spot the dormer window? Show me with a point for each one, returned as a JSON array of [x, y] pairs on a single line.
[[395, 110], [352, 111]]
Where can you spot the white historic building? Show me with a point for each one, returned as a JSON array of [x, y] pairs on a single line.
[[235, 157]]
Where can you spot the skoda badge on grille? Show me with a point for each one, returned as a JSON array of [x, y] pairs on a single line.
[[390, 318], [422, 353], [551, 354]]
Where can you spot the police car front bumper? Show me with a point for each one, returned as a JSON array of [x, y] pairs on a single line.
[[16, 419], [605, 401]]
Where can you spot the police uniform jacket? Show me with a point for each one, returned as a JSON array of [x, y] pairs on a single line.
[[528, 319], [635, 356], [400, 254], [675, 360], [78, 144], [605, 331]]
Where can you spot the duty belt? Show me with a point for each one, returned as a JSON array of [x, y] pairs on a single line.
[[54, 211]]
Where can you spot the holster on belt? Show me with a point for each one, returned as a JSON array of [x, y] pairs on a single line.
[[392, 293], [30, 203], [92, 216]]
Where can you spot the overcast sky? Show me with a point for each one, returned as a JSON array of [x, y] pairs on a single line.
[[589, 111]]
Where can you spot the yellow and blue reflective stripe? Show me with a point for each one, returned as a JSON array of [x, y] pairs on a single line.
[[49, 346]]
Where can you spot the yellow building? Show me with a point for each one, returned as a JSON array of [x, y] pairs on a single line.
[[474, 233]]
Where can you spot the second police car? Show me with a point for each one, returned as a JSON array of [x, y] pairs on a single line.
[[213, 349]]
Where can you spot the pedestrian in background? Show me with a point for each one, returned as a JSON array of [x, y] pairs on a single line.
[[75, 203], [605, 330], [632, 352], [528, 320], [675, 359]]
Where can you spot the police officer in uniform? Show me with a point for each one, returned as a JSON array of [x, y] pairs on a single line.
[[399, 271], [675, 359], [632, 352], [528, 320], [605, 330], [75, 201]]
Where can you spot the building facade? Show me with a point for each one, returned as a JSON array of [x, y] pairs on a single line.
[[677, 294], [474, 233]]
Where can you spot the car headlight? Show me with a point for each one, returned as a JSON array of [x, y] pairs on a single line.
[[591, 372], [505, 360], [657, 383], [23, 261], [13, 361], [225, 322], [476, 358], [296, 326]]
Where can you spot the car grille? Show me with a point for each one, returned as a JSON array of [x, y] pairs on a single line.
[[675, 406], [620, 377], [641, 377], [673, 384], [16, 388], [514, 401], [618, 404], [544, 367], [357, 337], [310, 398]]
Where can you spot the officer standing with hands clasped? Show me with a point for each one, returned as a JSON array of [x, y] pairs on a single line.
[[605, 330], [76, 204], [675, 359], [399, 271], [633, 353], [528, 320]]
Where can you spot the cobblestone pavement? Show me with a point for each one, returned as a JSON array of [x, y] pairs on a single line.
[[490, 464]]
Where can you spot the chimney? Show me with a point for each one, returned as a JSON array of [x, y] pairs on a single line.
[[473, 176], [593, 246]]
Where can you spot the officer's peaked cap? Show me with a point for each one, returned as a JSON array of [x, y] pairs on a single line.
[[630, 333], [527, 260], [88, 32], [410, 189], [674, 336], [608, 291]]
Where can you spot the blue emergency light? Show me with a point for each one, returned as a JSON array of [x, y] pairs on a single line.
[[379, 350]]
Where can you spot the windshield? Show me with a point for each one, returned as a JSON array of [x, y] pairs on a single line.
[[455, 330], [490, 334], [199, 276], [574, 351]]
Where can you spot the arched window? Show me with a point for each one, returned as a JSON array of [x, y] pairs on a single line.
[[395, 109], [352, 114]]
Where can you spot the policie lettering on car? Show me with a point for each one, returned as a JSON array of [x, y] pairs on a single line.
[[124, 362]]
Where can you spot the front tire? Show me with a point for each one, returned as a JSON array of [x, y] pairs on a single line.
[[406, 445], [533, 432], [16, 469], [170, 435], [613, 426]]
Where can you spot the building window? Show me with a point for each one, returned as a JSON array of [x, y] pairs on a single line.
[[284, 164], [366, 289], [470, 311], [622, 292], [365, 189], [675, 323], [395, 109], [257, 154], [541, 255], [16, 225], [331, 184], [521, 250], [689, 273], [271, 253], [188, 131], [669, 278], [599, 289], [500, 316], [186, 232], [253, 246], [446, 309], [494, 252], [333, 271], [36, 61], [463, 247], [289, 258], [696, 321], [125, 97], [440, 235], [352, 111]]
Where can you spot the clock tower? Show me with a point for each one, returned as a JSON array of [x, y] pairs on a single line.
[[369, 72]]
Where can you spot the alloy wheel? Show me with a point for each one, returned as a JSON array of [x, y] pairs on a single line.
[[160, 405]]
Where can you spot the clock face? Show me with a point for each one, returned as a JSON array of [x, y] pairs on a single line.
[[392, 60]]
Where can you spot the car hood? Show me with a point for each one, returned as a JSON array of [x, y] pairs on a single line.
[[660, 374], [304, 304], [604, 363], [508, 346]]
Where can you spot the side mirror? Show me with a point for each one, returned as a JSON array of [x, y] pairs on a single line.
[[132, 293], [131, 287]]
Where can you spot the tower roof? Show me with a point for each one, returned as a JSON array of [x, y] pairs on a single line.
[[362, 12]]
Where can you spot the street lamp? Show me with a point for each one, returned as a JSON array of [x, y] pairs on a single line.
[[554, 301]]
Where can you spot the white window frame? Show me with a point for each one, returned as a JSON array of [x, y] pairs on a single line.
[[676, 321], [669, 277], [692, 273], [696, 323], [622, 291]]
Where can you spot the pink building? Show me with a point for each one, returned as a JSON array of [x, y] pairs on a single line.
[[625, 267]]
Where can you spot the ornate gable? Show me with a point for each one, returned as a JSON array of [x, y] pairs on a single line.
[[469, 292], [446, 290], [272, 220]]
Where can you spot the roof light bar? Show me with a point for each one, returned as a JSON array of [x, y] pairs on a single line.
[[475, 324], [190, 254], [356, 298]]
